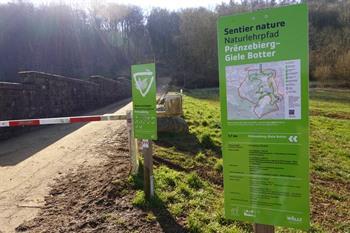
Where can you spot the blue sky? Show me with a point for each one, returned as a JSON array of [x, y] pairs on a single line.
[[147, 4]]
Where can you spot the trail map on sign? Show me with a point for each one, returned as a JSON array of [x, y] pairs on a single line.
[[263, 91]]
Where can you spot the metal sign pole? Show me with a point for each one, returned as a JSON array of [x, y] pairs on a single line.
[[132, 144]]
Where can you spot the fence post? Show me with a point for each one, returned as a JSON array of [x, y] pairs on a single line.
[[147, 152], [132, 143], [262, 228]]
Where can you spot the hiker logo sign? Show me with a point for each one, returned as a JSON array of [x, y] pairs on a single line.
[[144, 101], [143, 81]]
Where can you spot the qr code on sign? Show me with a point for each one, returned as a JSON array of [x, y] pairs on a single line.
[[291, 112]]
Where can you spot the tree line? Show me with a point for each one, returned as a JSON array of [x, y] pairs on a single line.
[[107, 38]]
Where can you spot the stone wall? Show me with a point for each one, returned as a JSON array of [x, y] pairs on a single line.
[[41, 95]]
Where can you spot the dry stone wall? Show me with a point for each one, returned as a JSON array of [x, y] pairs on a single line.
[[41, 95]]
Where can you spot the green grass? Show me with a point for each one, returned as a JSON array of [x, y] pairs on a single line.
[[330, 103], [330, 134], [192, 192], [186, 196], [202, 113]]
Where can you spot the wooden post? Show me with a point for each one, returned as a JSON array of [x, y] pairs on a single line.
[[262, 228], [148, 168], [132, 144]]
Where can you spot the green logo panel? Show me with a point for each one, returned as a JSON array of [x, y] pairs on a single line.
[[144, 101]]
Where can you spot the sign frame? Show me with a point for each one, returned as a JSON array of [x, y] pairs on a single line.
[[143, 78], [264, 68]]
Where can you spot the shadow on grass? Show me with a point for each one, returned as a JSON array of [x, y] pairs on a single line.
[[157, 207], [164, 217], [187, 142], [181, 142], [169, 164]]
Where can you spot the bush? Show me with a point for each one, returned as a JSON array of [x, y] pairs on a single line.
[[184, 190], [219, 166], [342, 67], [194, 181], [323, 72], [170, 181], [200, 157], [207, 142], [194, 222], [139, 199]]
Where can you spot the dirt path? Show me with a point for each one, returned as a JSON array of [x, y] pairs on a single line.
[[31, 162], [97, 198]]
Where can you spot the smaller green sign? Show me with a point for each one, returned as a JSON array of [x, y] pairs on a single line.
[[144, 101]]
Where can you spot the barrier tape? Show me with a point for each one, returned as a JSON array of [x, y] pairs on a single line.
[[61, 120]]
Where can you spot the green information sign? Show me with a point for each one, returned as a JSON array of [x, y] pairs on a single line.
[[144, 101], [263, 66]]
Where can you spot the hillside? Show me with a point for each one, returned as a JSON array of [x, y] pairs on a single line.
[[196, 162], [188, 178]]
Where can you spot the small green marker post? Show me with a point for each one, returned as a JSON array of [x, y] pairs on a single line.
[[145, 117]]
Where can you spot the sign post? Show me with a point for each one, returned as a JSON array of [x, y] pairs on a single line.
[[263, 67], [145, 117], [147, 152], [262, 228], [132, 144]]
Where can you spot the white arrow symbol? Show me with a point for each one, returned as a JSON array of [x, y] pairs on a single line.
[[293, 139], [144, 83]]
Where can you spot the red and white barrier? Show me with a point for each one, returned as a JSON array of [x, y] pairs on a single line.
[[61, 120]]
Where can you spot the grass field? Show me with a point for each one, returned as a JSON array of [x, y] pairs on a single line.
[[188, 175]]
